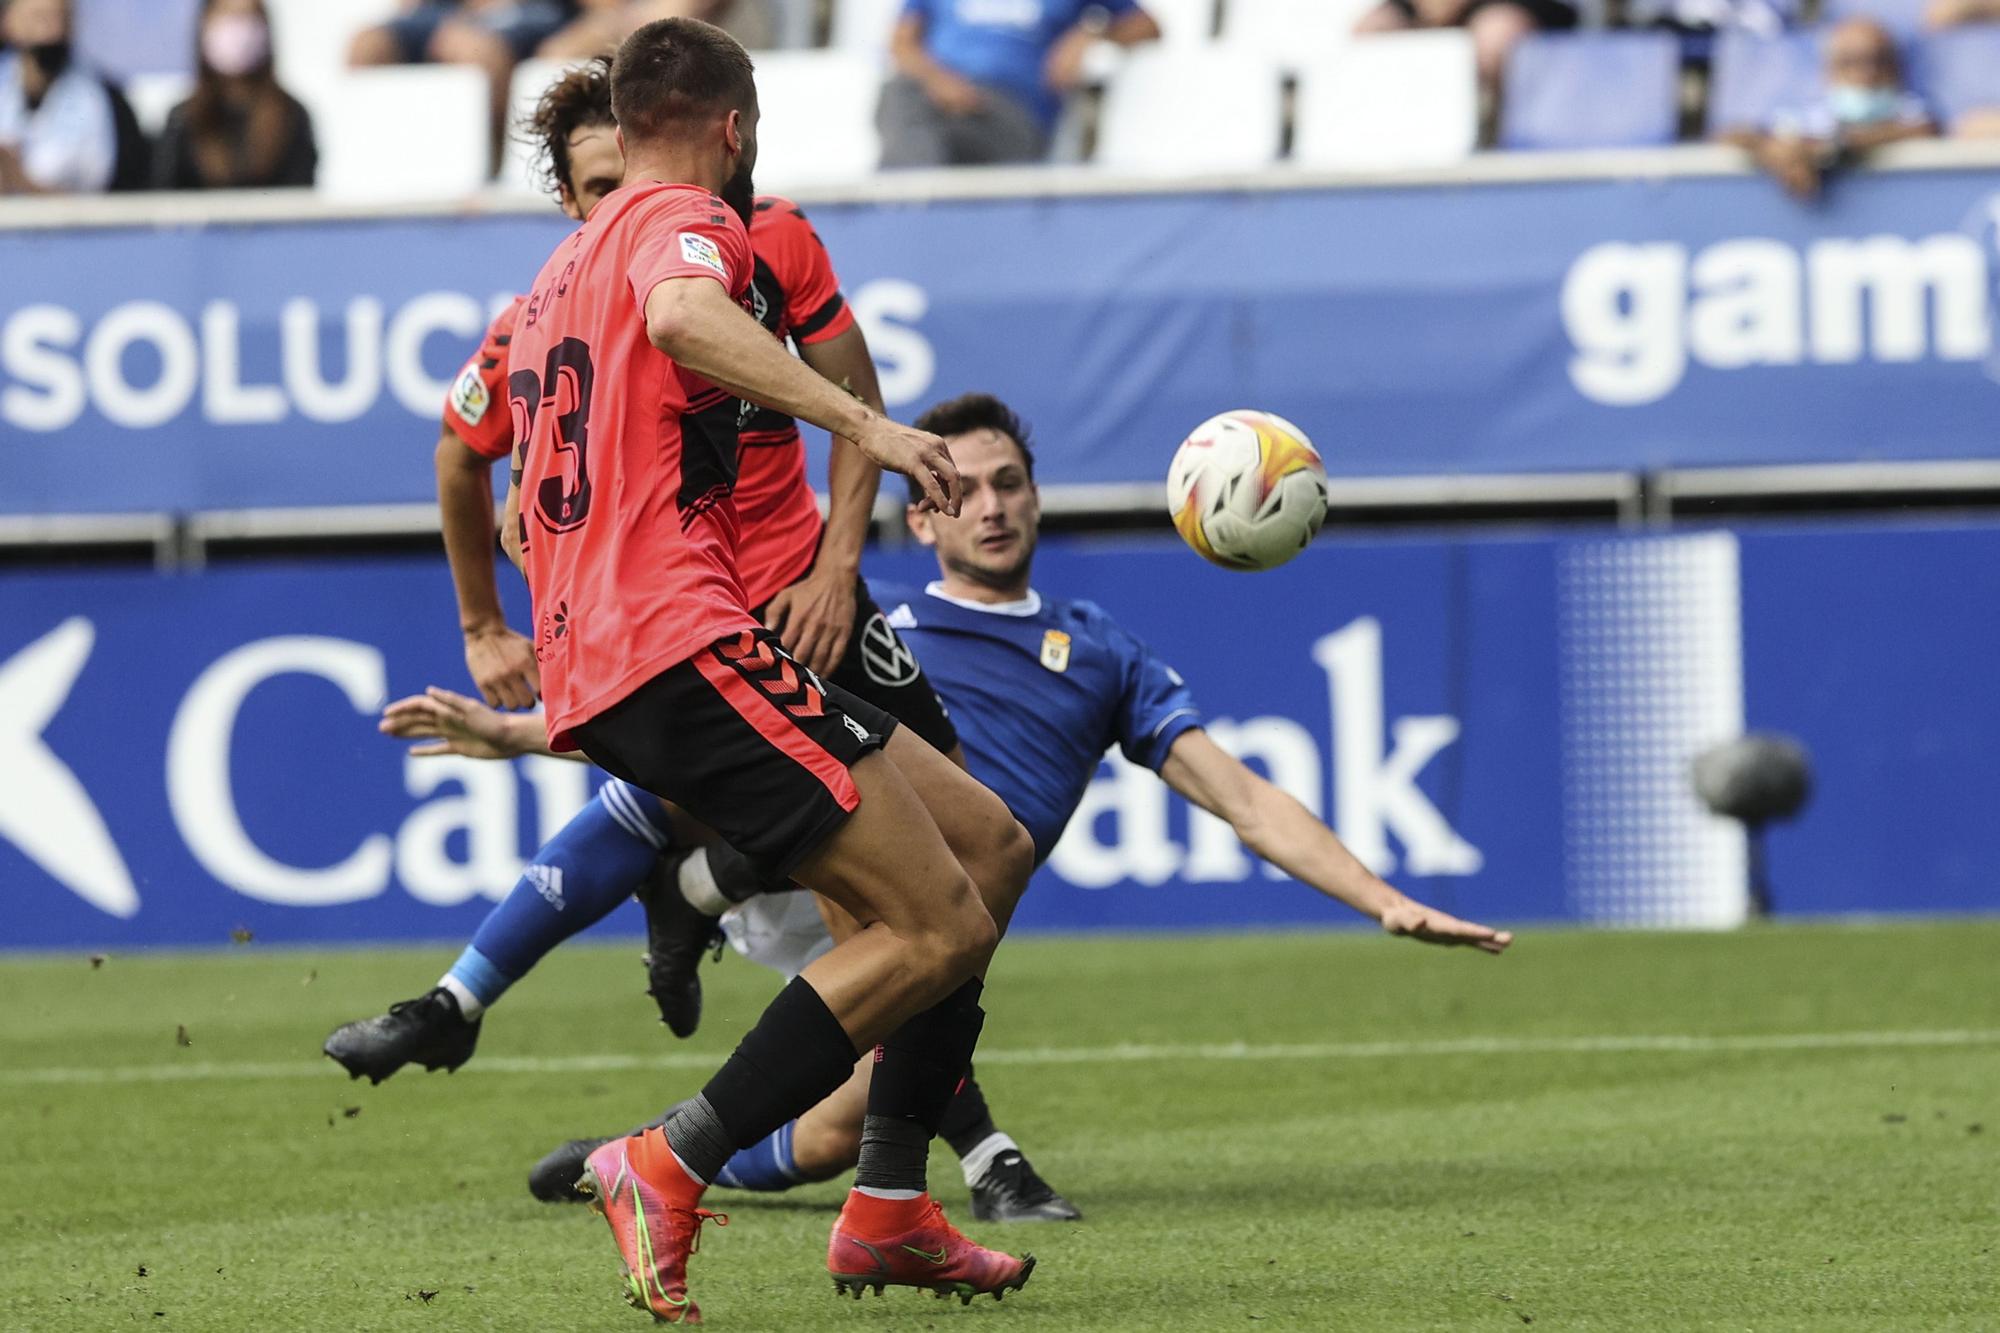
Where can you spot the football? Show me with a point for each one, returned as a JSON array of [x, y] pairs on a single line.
[[1247, 490]]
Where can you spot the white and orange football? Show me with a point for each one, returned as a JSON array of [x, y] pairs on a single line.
[[1247, 490]]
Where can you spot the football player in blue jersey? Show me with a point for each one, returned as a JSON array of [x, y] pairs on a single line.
[[1039, 689]]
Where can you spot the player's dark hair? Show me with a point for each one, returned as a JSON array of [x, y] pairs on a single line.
[[579, 100], [976, 411], [675, 71]]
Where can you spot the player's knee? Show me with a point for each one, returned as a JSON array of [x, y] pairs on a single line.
[[1002, 863], [1017, 854], [961, 938]]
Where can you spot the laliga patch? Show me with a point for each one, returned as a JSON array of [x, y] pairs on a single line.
[[700, 250], [469, 397], [1055, 650]]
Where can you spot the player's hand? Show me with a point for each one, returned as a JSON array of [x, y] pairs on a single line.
[[451, 724], [953, 94], [814, 617], [916, 454], [1434, 927], [503, 666]]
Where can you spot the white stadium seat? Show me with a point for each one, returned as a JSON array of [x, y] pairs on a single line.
[[403, 132], [862, 27], [818, 123], [792, 24], [1183, 21], [518, 164], [309, 40], [154, 96], [1292, 31], [1179, 110], [1388, 101]]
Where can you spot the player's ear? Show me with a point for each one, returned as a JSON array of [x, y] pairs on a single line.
[[920, 525], [732, 131]]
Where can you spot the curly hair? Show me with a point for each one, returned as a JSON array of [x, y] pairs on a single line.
[[579, 100]]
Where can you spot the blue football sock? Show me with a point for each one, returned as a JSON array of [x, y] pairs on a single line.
[[592, 864], [765, 1165]]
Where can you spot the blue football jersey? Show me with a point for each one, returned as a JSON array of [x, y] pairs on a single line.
[[1039, 690]]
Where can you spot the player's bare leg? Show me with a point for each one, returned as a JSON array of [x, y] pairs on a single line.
[[924, 932], [890, 1232]]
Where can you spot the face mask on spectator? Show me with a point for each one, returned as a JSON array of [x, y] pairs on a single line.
[[52, 58], [1853, 104], [235, 44]]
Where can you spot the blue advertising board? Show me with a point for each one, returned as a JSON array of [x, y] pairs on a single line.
[[1582, 324], [1502, 725]]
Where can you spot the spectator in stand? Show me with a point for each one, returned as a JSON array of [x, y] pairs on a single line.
[[59, 123], [1764, 18], [979, 82], [493, 35], [1864, 105], [606, 23], [1495, 25], [239, 130], [1978, 122], [1958, 13]]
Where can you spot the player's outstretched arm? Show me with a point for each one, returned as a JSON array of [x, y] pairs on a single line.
[[451, 723], [694, 321], [815, 616], [1276, 827], [501, 662]]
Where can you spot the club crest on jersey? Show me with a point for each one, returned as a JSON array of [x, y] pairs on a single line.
[[469, 397], [700, 250], [887, 659], [1055, 650]]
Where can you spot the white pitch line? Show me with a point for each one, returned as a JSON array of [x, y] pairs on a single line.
[[1135, 1053]]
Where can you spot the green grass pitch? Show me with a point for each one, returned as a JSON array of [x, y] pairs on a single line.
[[1406, 1138]]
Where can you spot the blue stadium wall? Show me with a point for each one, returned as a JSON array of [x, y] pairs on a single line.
[[1497, 327], [1502, 725]]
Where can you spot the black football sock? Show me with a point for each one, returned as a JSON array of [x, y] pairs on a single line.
[[917, 1069], [967, 1122], [794, 1057]]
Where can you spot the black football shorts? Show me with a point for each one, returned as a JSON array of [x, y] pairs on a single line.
[[879, 667], [748, 742]]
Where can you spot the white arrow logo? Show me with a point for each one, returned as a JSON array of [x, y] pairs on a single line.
[[44, 810]]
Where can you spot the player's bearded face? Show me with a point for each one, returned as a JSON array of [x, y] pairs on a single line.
[[739, 191], [992, 541]]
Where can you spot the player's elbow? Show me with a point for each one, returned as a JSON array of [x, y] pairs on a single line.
[[1251, 827], [673, 315], [510, 540], [456, 460], [1251, 809]]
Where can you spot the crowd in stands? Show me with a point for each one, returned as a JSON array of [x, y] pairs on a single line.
[[222, 101]]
